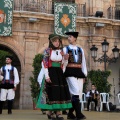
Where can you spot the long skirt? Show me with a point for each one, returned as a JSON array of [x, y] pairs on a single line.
[[57, 93]]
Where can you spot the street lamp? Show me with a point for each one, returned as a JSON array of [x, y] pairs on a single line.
[[104, 58]]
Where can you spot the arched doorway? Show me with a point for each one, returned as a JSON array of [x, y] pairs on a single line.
[[17, 64]]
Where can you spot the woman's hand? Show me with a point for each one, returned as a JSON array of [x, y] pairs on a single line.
[[66, 56], [48, 80]]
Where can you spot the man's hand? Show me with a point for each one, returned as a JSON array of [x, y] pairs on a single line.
[[48, 80], [66, 56], [15, 88], [84, 80]]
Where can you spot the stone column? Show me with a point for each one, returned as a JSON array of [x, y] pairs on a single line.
[[31, 46]]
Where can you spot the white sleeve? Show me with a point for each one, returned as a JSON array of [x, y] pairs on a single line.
[[84, 68], [16, 77], [88, 94], [1, 69], [45, 71], [1, 77], [64, 50], [40, 76], [64, 62]]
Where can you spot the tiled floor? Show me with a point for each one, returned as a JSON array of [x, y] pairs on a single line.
[[37, 115]]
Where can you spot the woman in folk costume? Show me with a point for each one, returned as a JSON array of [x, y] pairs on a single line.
[[54, 86]]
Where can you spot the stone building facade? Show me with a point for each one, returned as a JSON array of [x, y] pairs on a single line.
[[30, 38]]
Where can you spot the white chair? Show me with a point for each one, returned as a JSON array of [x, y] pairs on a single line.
[[104, 98], [118, 97], [83, 100]]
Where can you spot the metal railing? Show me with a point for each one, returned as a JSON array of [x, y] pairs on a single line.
[[43, 6], [113, 12]]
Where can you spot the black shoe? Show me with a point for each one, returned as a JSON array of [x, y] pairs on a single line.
[[58, 117], [64, 112], [51, 116], [9, 112], [43, 112], [71, 116]]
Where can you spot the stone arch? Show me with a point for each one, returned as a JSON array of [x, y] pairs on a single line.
[[15, 51], [20, 66]]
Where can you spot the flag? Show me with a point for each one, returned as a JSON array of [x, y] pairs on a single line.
[[6, 17], [65, 18]]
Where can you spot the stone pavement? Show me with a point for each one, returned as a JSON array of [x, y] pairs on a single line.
[[37, 115]]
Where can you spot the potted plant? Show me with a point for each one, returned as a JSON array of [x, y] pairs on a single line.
[[35, 88], [99, 78]]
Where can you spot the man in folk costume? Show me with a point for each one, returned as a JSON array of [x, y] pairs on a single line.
[[8, 84], [93, 95], [75, 72]]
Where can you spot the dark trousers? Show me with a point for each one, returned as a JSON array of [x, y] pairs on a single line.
[[76, 106], [90, 100], [10, 104], [1, 106]]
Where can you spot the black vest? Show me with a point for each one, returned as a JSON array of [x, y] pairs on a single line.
[[94, 95], [71, 52]]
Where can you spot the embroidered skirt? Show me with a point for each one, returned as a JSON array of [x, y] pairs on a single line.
[[57, 92]]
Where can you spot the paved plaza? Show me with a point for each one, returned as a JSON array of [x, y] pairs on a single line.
[[37, 115]]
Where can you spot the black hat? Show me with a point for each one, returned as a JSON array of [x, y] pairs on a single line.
[[10, 57], [53, 36], [74, 34]]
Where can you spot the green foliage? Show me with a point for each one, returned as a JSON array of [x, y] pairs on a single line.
[[34, 84], [3, 54], [85, 86], [99, 78]]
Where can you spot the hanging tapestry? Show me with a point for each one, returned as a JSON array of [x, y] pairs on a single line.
[[65, 18], [6, 16]]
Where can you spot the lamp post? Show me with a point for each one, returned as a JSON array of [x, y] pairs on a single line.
[[104, 58]]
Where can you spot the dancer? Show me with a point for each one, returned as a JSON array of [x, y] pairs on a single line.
[[75, 72], [8, 84], [54, 86]]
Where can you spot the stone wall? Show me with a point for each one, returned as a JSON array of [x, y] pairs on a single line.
[[117, 2], [31, 38]]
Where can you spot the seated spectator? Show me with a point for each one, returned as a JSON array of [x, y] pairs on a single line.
[[92, 96]]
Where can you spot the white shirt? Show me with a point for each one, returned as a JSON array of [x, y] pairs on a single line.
[[15, 72], [93, 91], [55, 56], [74, 47]]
